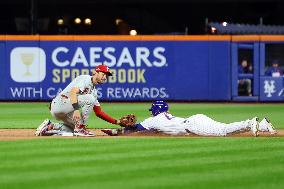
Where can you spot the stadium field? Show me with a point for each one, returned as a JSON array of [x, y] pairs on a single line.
[[30, 115], [142, 162]]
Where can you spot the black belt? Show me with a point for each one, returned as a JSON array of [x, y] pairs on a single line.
[[64, 96]]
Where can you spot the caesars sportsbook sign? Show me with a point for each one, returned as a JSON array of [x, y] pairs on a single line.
[[40, 70]]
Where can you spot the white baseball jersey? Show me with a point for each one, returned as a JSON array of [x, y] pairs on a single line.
[[85, 85], [198, 124], [164, 122]]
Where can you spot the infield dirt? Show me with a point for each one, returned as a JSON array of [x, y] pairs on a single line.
[[24, 134]]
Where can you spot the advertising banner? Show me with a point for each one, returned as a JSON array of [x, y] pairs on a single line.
[[142, 70]]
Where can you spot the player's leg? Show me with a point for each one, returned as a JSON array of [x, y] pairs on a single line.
[[86, 102], [243, 126], [266, 126], [60, 106], [203, 125], [61, 109], [48, 128]]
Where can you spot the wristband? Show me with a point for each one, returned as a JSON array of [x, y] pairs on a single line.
[[76, 106]]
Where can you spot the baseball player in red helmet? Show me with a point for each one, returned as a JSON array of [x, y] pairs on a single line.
[[73, 106]]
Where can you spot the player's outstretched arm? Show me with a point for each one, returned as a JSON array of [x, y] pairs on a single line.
[[99, 113]]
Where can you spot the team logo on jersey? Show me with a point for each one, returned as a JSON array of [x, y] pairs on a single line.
[[27, 64], [269, 88]]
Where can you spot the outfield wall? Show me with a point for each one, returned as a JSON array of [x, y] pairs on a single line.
[[145, 67]]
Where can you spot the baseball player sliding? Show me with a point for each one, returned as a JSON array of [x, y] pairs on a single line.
[[199, 124], [73, 106]]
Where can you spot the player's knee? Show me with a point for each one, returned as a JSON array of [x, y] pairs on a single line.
[[59, 116]]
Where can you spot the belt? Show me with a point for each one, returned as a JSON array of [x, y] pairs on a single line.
[[64, 96]]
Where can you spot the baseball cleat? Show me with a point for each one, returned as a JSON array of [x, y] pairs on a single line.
[[82, 131], [254, 126], [64, 134], [42, 128], [265, 123], [110, 132]]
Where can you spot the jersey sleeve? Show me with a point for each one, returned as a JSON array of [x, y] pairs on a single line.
[[148, 123]]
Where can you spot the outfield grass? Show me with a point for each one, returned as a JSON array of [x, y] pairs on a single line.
[[30, 115], [123, 163]]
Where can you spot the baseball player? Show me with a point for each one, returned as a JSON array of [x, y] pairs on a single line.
[[199, 124], [74, 104]]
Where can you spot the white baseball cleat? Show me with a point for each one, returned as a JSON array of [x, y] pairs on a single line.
[[82, 131], [64, 134], [265, 123], [42, 128], [254, 126]]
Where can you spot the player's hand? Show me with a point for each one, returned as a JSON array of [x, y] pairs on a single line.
[[117, 122], [76, 116], [127, 120]]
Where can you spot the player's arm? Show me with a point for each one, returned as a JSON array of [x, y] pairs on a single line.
[[74, 101], [101, 114], [139, 127]]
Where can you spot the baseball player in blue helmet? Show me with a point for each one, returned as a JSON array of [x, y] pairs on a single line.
[[199, 124]]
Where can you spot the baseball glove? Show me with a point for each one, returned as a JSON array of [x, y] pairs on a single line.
[[128, 120]]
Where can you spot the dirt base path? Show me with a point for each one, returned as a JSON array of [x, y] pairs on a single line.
[[17, 134]]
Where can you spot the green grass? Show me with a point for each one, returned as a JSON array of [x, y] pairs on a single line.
[[143, 162], [125, 163], [30, 115]]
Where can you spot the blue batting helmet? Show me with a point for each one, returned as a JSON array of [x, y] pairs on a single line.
[[159, 107]]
